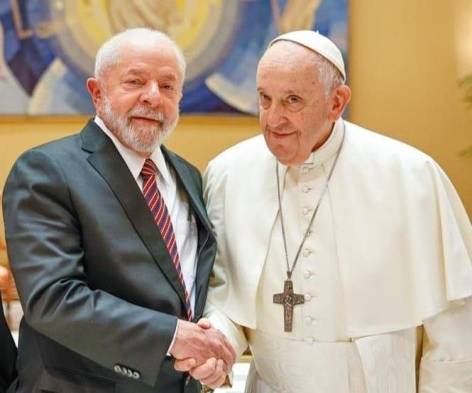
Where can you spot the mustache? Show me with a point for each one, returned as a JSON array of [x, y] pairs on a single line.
[[147, 113]]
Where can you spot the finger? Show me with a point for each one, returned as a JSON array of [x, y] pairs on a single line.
[[231, 350], [222, 381], [217, 378], [192, 341], [185, 364], [219, 343], [205, 370], [227, 354], [204, 323], [219, 382], [225, 342]]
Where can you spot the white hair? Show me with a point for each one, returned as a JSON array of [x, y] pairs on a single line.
[[328, 74], [109, 53]]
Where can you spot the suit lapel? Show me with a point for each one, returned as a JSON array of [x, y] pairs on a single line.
[[186, 179], [109, 164]]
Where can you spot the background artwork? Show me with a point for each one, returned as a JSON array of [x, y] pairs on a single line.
[[48, 46]]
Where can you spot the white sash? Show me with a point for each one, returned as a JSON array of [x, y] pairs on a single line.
[[375, 364]]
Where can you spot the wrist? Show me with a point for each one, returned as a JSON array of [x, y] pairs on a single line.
[[172, 343]]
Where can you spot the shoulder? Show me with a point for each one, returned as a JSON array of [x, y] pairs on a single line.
[[245, 163], [60, 150], [371, 147], [179, 159], [56, 154], [45, 170], [182, 165], [242, 155]]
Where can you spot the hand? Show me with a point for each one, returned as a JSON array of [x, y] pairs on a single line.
[[188, 364], [211, 373], [195, 344], [204, 323]]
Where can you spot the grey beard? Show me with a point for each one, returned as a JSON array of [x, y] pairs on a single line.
[[131, 136]]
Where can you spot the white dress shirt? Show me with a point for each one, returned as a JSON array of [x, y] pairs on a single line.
[[183, 221]]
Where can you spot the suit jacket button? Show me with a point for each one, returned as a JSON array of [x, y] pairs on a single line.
[[136, 375], [117, 369]]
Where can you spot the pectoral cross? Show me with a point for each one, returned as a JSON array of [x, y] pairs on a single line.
[[289, 300]]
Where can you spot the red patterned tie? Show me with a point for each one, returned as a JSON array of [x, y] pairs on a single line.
[[162, 218]]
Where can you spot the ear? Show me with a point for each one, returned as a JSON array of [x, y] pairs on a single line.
[[339, 100], [95, 91]]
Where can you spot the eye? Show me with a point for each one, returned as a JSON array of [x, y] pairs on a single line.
[[293, 99], [264, 100], [167, 86], [134, 82], [294, 103]]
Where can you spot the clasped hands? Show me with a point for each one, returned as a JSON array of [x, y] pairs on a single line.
[[203, 351]]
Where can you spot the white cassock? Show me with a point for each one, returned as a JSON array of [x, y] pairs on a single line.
[[386, 269]]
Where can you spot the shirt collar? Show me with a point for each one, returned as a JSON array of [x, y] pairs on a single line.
[[329, 148], [132, 159]]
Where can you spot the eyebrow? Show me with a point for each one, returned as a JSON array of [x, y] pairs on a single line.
[[133, 72], [138, 72], [285, 92], [169, 77], [290, 91]]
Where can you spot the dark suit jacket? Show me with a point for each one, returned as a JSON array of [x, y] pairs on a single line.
[[7, 354], [99, 290]]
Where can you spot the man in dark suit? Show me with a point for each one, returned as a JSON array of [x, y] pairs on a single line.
[[109, 241], [8, 354]]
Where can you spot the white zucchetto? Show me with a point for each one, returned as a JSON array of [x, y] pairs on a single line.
[[317, 43]]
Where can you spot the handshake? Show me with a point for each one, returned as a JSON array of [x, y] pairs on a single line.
[[203, 351]]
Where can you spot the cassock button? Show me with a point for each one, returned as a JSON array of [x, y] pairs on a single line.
[[307, 273], [307, 252], [117, 369], [305, 169], [306, 189], [309, 320], [306, 211], [307, 297]]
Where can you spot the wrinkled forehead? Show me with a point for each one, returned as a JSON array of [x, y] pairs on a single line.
[[155, 50], [288, 57], [133, 54]]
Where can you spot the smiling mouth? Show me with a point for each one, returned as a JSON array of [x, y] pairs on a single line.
[[146, 119], [282, 134]]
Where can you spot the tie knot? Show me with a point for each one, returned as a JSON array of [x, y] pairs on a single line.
[[149, 168]]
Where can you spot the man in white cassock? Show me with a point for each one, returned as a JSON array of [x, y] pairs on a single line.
[[344, 257]]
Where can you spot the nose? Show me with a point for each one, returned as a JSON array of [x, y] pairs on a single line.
[[275, 116], [151, 95]]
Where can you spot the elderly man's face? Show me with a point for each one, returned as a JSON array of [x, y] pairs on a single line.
[[138, 98], [295, 115]]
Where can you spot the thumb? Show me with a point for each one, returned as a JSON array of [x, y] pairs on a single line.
[[185, 364], [204, 323]]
